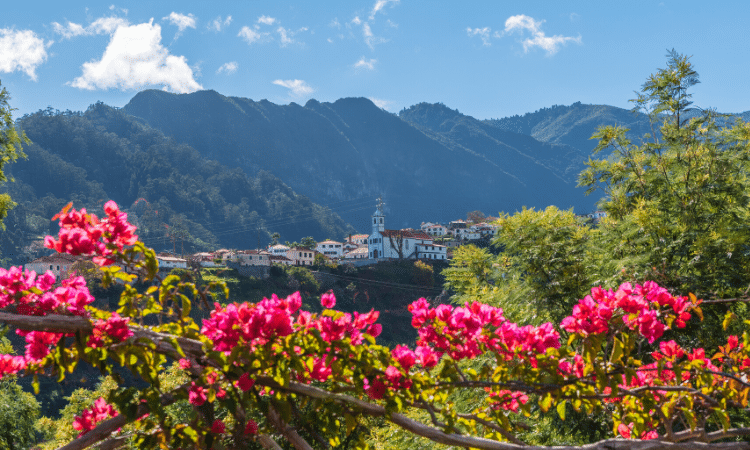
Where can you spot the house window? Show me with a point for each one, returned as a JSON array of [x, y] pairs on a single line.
[[50, 267]]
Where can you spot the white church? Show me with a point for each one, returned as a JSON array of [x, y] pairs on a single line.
[[400, 244]]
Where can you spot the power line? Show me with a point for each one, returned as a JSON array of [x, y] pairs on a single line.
[[384, 283]]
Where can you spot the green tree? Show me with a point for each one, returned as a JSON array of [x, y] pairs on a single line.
[[10, 148], [544, 259], [308, 242], [678, 201], [275, 238], [18, 411]]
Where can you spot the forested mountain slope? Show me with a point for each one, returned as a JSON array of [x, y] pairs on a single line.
[[178, 198], [573, 125]]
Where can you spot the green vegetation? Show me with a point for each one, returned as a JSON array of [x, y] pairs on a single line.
[[179, 200]]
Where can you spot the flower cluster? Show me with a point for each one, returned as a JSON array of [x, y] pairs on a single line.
[[251, 324], [34, 295], [642, 307], [84, 234], [115, 329], [98, 412], [507, 400], [469, 331]]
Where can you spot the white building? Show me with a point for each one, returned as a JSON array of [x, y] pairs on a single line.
[[434, 229], [331, 249], [400, 244], [358, 253], [59, 264], [301, 256], [167, 262], [254, 258], [484, 229], [278, 250]]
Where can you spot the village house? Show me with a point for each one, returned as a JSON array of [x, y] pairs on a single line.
[[301, 256], [358, 239], [59, 264], [253, 258], [280, 259], [331, 249], [278, 249], [484, 229], [358, 253], [434, 229], [169, 262]]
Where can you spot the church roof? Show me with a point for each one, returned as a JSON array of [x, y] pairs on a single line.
[[409, 234]]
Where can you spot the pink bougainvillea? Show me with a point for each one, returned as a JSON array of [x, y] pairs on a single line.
[[98, 412]]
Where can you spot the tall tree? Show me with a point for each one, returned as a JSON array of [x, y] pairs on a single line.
[[10, 148], [678, 201]]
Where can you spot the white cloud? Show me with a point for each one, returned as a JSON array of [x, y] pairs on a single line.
[[102, 25], [391, 23], [181, 21], [123, 10], [298, 88], [365, 64], [266, 20], [287, 36], [356, 20], [134, 59], [21, 50], [483, 33], [228, 68], [335, 23], [382, 104], [217, 24], [379, 5], [370, 39], [551, 44], [251, 36]]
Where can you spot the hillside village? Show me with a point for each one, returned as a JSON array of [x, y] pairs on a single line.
[[433, 241]]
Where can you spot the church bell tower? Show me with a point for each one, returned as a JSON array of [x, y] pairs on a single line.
[[378, 219]]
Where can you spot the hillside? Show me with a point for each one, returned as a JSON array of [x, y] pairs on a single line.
[[350, 152], [178, 198], [572, 125]]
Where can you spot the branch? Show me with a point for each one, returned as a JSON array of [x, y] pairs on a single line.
[[109, 426], [52, 322], [441, 437], [70, 324], [726, 300], [286, 430]]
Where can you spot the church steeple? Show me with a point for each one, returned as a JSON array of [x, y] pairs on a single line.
[[378, 219]]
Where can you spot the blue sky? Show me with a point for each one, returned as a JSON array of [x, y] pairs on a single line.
[[488, 59]]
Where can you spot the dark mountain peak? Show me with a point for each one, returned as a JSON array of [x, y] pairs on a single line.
[[430, 115], [312, 103]]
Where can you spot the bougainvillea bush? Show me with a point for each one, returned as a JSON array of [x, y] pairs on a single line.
[[250, 370]]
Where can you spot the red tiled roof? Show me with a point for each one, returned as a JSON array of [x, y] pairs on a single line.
[[409, 234], [59, 257]]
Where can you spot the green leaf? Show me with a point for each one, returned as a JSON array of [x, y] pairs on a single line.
[[561, 410]]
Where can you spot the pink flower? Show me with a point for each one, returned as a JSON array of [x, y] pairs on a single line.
[[251, 428], [624, 430], [404, 356], [196, 395], [96, 413], [328, 300], [245, 382], [218, 427], [185, 363]]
